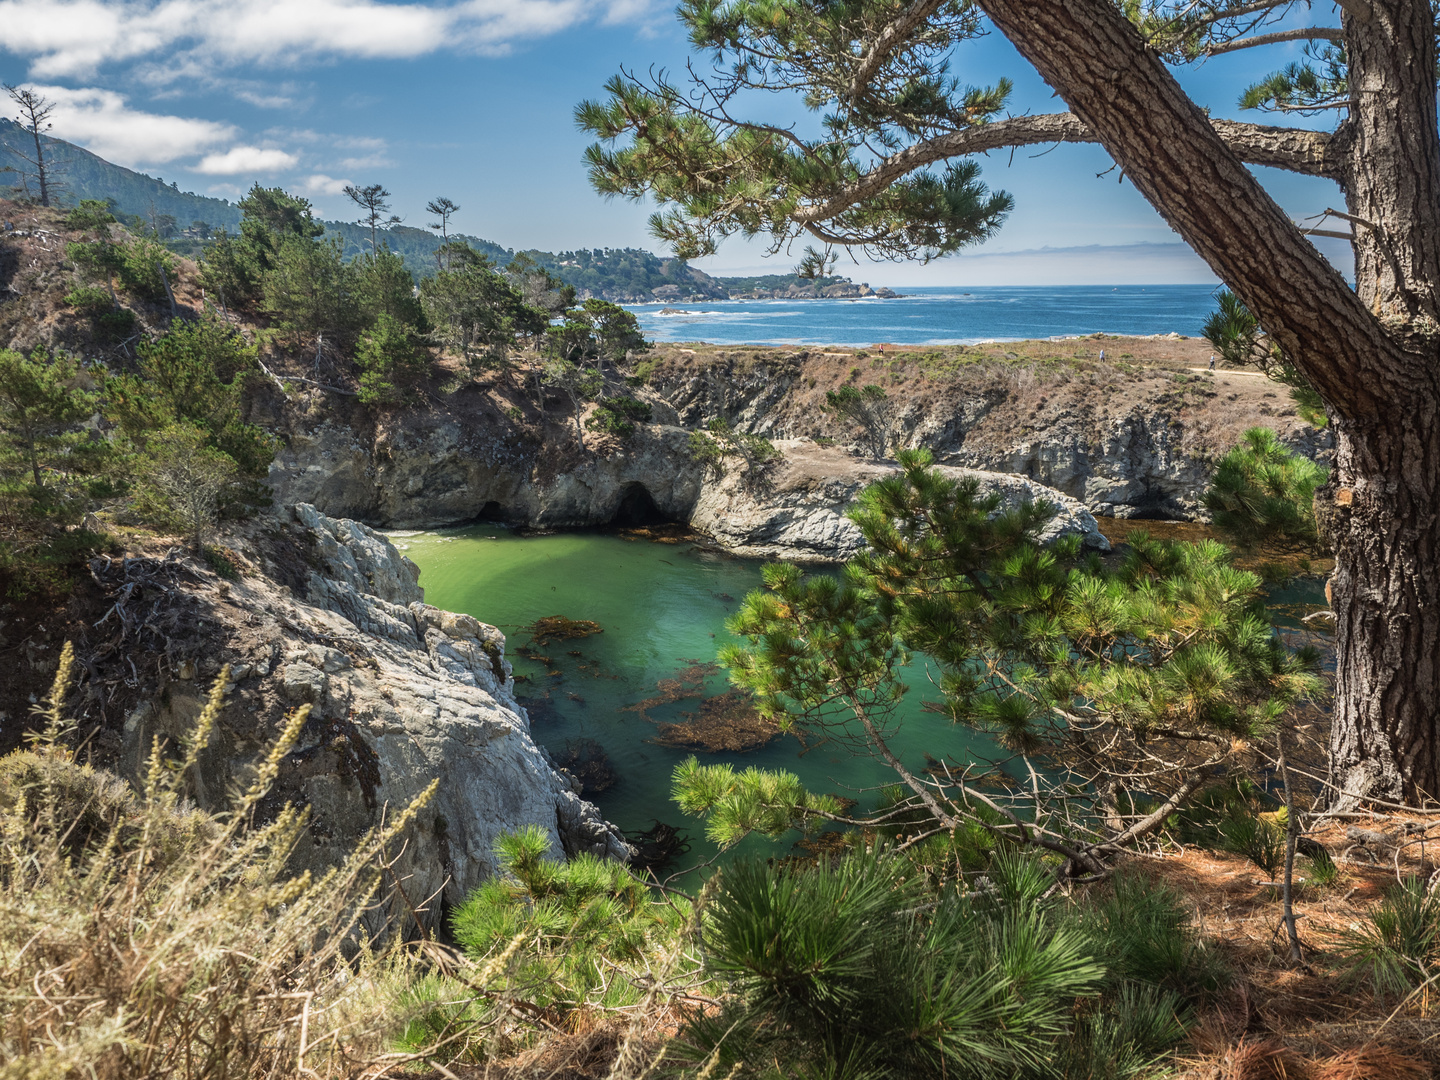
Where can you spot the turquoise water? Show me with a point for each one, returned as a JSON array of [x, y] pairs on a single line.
[[931, 316], [662, 608]]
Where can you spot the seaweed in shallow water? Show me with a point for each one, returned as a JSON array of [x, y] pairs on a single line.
[[656, 847], [688, 682], [727, 722], [559, 628]]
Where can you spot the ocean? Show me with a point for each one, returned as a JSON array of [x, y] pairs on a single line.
[[938, 316]]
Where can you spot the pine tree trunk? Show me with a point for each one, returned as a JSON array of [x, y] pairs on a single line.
[[1371, 352], [1380, 511]]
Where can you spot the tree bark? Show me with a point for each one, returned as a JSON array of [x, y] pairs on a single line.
[[1379, 510], [1370, 352]]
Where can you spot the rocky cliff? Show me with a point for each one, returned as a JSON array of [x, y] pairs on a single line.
[[1136, 435], [799, 514], [438, 474], [400, 694], [1034, 419]]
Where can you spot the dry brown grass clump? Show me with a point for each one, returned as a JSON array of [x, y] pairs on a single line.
[[141, 939]]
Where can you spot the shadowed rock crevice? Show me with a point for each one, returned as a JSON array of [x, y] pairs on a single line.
[[637, 507]]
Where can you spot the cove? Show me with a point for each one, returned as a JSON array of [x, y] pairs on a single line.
[[662, 608]]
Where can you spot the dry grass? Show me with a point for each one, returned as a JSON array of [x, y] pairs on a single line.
[[141, 939], [1311, 1022]]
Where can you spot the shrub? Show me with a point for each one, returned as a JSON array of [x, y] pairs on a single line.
[[853, 969], [1258, 840], [573, 919], [618, 416], [96, 303], [1263, 492], [1324, 873], [1141, 929], [1400, 948], [90, 300], [145, 267]]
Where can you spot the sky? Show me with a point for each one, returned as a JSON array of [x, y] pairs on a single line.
[[473, 100]]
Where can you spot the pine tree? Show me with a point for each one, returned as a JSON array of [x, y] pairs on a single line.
[[43, 400], [34, 110], [1162, 668], [1263, 492], [391, 362], [884, 168]]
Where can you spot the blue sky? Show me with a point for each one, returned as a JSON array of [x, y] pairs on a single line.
[[473, 100]]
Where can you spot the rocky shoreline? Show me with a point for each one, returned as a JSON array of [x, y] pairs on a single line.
[[795, 511]]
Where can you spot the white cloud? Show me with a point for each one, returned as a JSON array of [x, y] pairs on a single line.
[[246, 159], [320, 184], [102, 122], [360, 142], [369, 161], [74, 37], [265, 101]]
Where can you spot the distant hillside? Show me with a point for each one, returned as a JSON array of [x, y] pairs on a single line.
[[87, 176], [416, 246], [624, 275]]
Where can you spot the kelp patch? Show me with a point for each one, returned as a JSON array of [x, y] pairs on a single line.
[[725, 722], [558, 628], [586, 760]]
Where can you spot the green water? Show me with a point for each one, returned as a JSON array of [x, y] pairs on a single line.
[[663, 609]]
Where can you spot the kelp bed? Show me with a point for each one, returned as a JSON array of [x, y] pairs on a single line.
[[656, 847], [725, 722], [559, 628]]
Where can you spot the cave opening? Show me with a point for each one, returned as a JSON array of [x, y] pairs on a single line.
[[637, 507], [491, 511]]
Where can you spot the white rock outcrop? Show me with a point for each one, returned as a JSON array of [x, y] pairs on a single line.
[[798, 513], [401, 694]]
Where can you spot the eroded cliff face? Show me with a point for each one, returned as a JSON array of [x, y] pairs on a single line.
[[438, 470], [1142, 442], [400, 693], [1116, 440]]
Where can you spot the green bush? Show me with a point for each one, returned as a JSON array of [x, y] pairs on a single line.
[[1324, 873], [1141, 930], [618, 416], [1258, 840], [856, 970], [1399, 949], [89, 300], [145, 267], [113, 322], [1263, 492], [558, 924]]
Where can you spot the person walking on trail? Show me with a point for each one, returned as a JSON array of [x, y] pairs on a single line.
[[1102, 356], [1212, 361]]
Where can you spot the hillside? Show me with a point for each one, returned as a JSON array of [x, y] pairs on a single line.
[[624, 275], [88, 176]]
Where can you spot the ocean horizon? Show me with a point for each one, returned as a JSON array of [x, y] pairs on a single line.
[[937, 316]]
